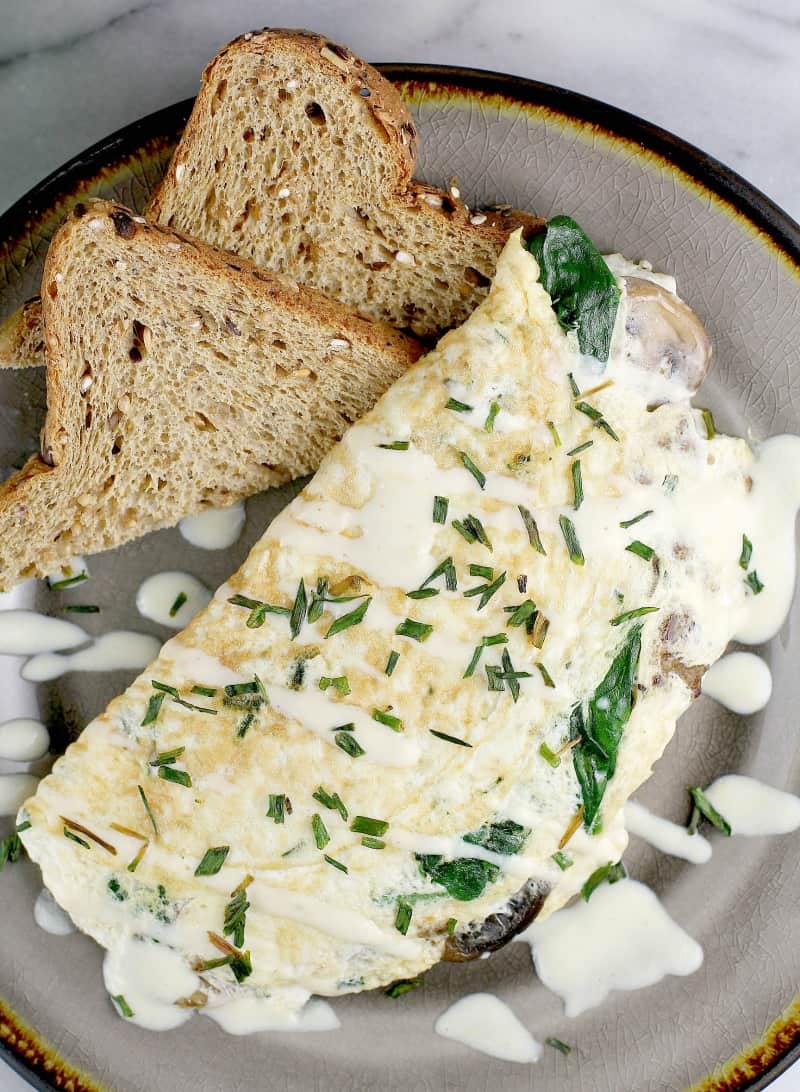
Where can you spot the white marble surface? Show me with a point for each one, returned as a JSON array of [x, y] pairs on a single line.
[[724, 74]]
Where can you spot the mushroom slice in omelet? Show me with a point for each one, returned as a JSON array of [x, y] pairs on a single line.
[[410, 721]]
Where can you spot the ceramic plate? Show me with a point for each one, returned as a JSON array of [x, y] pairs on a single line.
[[729, 1026]]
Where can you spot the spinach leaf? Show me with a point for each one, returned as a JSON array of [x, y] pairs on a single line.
[[466, 877], [599, 728], [582, 287]]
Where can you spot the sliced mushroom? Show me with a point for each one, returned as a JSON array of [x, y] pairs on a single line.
[[664, 334], [480, 937]]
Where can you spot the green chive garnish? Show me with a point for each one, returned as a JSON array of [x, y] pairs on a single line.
[[471, 529], [297, 617], [349, 744], [440, 506], [422, 593], [626, 616], [180, 599], [397, 989], [206, 691], [531, 528], [395, 723], [362, 824], [486, 591], [571, 539], [122, 1005], [244, 724], [554, 433], [233, 690], [68, 581], [550, 757], [351, 619], [213, 860], [707, 809], [630, 522], [458, 407], [332, 801], [493, 679], [521, 613], [557, 1044], [610, 873], [577, 484], [177, 777], [488, 424], [640, 549], [166, 758], [336, 864], [538, 631], [562, 860], [754, 583], [449, 739], [279, 807], [396, 445], [81, 608], [469, 465], [321, 836], [338, 682], [708, 421], [546, 676], [73, 837], [417, 631], [747, 552], [450, 926], [581, 447], [153, 709], [402, 918], [391, 663], [592, 413], [147, 808], [486, 571], [446, 569], [372, 843]]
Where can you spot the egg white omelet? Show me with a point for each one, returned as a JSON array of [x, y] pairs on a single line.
[[365, 754]]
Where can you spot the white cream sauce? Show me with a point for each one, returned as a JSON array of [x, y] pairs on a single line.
[[49, 916], [197, 665], [740, 681], [249, 1014], [622, 939], [664, 835], [25, 633], [23, 740], [151, 977], [753, 808], [115, 651], [157, 596], [15, 788], [485, 1023], [214, 529]]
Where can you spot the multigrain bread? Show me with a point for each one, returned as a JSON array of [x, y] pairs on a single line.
[[177, 377], [300, 156]]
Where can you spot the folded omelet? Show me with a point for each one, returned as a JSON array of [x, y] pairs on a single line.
[[410, 721]]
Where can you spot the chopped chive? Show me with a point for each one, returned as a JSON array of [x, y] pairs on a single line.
[[557, 1044], [522, 613], [123, 1006], [707, 809], [68, 581], [336, 864], [206, 691], [604, 425], [449, 739], [422, 593], [486, 571], [546, 676], [494, 682], [395, 723], [363, 824], [349, 744], [148, 809], [754, 583], [177, 777], [233, 690], [320, 831], [75, 838], [235, 921], [747, 552], [474, 525], [550, 757], [463, 530], [581, 447], [610, 873], [458, 407], [531, 528], [450, 926], [670, 483], [512, 677], [488, 424], [245, 601], [630, 522], [554, 433], [417, 631], [473, 663], [495, 639], [446, 569], [153, 709], [134, 864], [180, 599], [562, 860], [592, 413], [213, 860], [241, 966], [338, 682], [475, 471], [486, 591], [332, 801], [166, 758], [351, 619], [372, 843], [297, 617], [573, 386], [349, 727], [213, 964], [396, 445], [440, 506], [626, 616], [577, 484], [81, 608], [279, 807], [397, 989], [244, 724], [640, 549], [391, 663], [708, 421], [538, 631], [571, 539], [402, 918], [317, 604]]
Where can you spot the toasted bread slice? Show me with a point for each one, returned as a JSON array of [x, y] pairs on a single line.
[[300, 156], [178, 377]]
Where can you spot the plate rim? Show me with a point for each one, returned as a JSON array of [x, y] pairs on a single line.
[[25, 1052]]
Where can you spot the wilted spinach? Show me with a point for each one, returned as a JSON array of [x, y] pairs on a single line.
[[465, 878]]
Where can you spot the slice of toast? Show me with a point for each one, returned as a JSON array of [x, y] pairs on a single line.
[[177, 377], [300, 156]]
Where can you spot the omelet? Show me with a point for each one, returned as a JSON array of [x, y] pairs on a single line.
[[410, 721]]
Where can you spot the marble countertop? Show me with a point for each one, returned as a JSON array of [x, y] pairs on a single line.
[[723, 74]]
